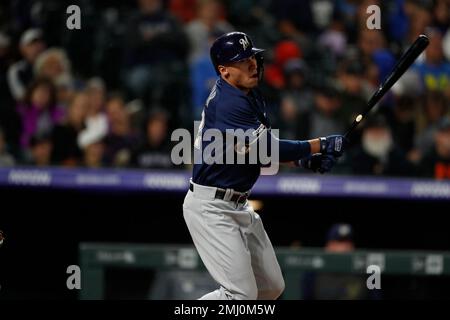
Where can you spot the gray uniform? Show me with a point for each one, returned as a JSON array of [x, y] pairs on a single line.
[[231, 240]]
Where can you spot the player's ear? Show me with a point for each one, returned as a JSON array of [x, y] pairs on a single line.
[[223, 71]]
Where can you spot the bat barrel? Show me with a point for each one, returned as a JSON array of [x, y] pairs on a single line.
[[405, 61]]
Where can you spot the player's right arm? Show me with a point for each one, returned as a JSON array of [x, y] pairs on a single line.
[[293, 150], [235, 115], [322, 155]]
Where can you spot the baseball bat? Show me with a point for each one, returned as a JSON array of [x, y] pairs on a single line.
[[405, 61]]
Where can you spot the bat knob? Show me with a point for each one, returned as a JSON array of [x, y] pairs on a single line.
[[423, 39]]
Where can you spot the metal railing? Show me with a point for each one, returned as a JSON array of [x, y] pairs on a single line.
[[96, 257]]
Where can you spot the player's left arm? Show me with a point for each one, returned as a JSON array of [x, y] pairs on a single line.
[[321, 156], [287, 150], [293, 150]]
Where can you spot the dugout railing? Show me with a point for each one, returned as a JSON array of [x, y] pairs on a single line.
[[95, 258]]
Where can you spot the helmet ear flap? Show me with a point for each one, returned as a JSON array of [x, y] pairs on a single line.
[[260, 65]]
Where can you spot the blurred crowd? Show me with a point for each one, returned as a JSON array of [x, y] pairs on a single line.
[[110, 93]]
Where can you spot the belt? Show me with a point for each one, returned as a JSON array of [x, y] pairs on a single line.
[[238, 197]]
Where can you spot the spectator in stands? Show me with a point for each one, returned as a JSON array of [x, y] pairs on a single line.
[[155, 150], [202, 77], [295, 18], [376, 58], [155, 51], [419, 15], [369, 42], [6, 159], [65, 91], [257, 20], [283, 52], [322, 13], [96, 122], [325, 117], [384, 60], [54, 64], [401, 119], [9, 119], [436, 162], [397, 21], [336, 286], [377, 154], [66, 151], [39, 112], [334, 39], [298, 88], [435, 107], [355, 89], [40, 150], [5, 61], [93, 149], [208, 21], [297, 97], [184, 10], [441, 15], [21, 74], [446, 49], [434, 71], [120, 138], [346, 11]]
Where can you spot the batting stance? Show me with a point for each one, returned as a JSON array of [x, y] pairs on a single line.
[[228, 234]]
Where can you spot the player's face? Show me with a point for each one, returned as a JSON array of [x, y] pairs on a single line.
[[242, 74]]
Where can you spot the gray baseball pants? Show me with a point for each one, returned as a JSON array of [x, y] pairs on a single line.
[[232, 243]]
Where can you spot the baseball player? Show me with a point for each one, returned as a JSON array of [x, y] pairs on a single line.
[[228, 234]]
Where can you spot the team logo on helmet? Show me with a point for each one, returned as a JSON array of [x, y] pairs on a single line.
[[244, 42]]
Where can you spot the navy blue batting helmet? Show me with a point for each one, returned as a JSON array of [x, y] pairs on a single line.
[[233, 47]]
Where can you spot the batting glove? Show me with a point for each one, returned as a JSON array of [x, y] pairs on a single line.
[[333, 145], [318, 162]]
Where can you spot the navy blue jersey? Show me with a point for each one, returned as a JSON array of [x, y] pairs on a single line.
[[229, 108]]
